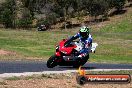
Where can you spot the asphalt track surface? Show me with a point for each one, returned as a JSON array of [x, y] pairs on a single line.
[[39, 66]]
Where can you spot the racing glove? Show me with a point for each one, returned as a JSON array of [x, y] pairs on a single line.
[[88, 45]]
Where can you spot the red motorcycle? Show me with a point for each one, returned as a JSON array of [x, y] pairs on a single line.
[[67, 55]]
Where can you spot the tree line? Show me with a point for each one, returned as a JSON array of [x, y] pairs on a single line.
[[23, 13]]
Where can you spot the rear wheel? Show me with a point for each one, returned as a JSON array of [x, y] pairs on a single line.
[[52, 61], [84, 60], [77, 65], [81, 61]]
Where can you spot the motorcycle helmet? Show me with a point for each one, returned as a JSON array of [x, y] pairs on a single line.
[[84, 32]]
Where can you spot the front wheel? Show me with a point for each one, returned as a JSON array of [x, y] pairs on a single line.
[[52, 62]]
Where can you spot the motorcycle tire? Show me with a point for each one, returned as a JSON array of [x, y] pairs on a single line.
[[85, 59], [77, 65], [52, 62], [81, 62]]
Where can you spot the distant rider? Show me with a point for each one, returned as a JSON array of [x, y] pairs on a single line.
[[85, 38]]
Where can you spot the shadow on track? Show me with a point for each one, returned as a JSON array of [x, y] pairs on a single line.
[[72, 68]]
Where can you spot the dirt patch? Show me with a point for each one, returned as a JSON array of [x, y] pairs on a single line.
[[57, 82], [86, 20], [4, 52]]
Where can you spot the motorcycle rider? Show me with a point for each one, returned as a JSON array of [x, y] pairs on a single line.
[[85, 38]]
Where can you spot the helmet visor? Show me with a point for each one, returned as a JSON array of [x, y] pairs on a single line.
[[83, 34]]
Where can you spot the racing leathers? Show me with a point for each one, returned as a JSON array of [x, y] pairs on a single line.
[[87, 43]]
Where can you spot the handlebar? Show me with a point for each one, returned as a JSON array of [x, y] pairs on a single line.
[[69, 41]]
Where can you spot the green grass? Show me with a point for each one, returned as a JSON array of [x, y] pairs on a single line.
[[13, 78], [113, 50], [30, 43], [115, 42]]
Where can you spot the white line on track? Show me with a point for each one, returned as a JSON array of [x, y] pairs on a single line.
[[6, 75]]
